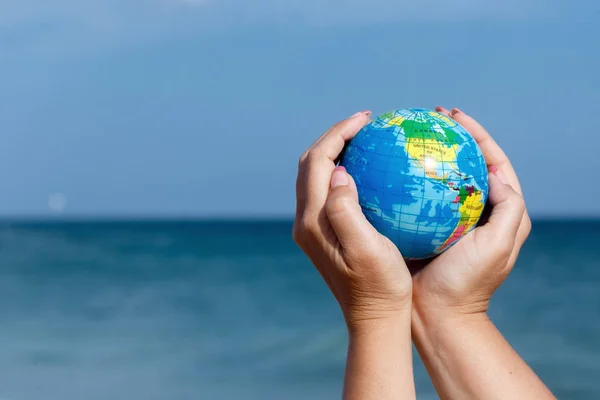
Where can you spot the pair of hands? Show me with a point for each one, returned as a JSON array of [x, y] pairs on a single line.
[[365, 271]]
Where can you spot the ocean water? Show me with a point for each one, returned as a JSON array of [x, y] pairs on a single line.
[[234, 310]]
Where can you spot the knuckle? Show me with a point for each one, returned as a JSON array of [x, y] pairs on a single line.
[[338, 204], [517, 201], [503, 250], [296, 233], [335, 126], [302, 158], [527, 226], [312, 156], [304, 229], [300, 161]]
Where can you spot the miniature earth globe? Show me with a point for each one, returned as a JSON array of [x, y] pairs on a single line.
[[421, 177]]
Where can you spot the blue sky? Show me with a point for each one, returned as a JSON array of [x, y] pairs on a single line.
[[202, 107]]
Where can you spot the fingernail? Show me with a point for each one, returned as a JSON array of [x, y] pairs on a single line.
[[339, 178], [365, 112], [455, 111]]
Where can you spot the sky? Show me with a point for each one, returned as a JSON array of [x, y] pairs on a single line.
[[202, 107]]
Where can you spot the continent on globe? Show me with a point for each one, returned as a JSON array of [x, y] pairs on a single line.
[[421, 177]]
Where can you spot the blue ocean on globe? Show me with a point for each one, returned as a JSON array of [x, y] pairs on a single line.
[[422, 179]]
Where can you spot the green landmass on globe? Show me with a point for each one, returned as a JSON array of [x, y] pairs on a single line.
[[421, 177]]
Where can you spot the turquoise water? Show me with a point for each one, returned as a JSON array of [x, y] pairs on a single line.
[[233, 310]]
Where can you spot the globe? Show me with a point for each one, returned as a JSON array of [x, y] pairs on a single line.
[[422, 179]]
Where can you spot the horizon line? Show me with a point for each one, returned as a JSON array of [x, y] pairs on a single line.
[[108, 218]]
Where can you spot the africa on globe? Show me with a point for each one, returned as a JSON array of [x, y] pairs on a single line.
[[421, 177]]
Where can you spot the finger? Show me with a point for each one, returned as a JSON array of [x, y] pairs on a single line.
[[301, 177], [442, 110], [304, 155], [525, 226], [320, 161], [494, 155], [522, 235], [492, 152], [502, 228], [352, 186], [354, 232], [332, 143]]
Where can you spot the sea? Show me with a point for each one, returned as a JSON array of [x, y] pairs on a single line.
[[174, 310]]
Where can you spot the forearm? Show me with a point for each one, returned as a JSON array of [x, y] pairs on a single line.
[[468, 358], [379, 364]]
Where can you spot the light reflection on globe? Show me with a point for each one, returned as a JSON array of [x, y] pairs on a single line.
[[421, 177]]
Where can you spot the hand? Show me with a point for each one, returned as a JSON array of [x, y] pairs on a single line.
[[363, 269], [463, 279], [466, 356]]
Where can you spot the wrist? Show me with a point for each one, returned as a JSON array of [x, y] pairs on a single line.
[[448, 314], [379, 325], [431, 325], [439, 306]]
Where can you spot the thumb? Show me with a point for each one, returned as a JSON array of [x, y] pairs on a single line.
[[508, 209], [352, 228]]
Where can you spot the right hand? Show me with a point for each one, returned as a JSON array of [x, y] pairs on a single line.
[[463, 279]]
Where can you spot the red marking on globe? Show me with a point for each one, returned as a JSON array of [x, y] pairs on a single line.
[[455, 236]]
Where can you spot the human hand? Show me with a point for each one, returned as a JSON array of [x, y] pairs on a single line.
[[363, 269], [466, 356], [463, 279]]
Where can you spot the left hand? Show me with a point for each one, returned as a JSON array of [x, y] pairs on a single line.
[[363, 269], [462, 280]]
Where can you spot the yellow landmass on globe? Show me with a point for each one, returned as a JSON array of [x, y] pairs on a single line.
[[443, 117], [472, 208], [397, 121], [429, 153], [470, 211]]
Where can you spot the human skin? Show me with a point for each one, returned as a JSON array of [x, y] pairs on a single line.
[[464, 353], [363, 269]]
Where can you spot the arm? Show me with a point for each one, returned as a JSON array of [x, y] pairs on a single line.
[[468, 358], [465, 355], [379, 364], [364, 270]]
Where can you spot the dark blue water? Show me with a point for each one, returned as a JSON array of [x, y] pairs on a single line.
[[188, 310]]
